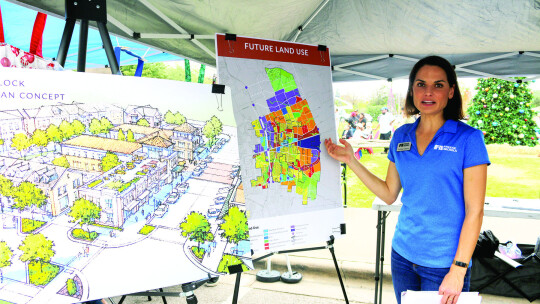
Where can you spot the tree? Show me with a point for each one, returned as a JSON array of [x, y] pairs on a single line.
[[20, 142], [66, 129], [78, 127], [130, 137], [5, 258], [106, 125], [218, 125], [54, 134], [234, 226], [85, 211], [6, 186], [109, 161], [36, 247], [95, 126], [121, 135], [61, 161], [40, 139], [196, 227], [179, 119], [502, 110], [208, 131], [143, 122], [27, 195], [169, 117]]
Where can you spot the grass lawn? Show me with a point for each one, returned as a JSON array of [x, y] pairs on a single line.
[[513, 173]]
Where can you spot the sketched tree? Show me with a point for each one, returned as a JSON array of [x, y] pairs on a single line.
[[234, 226], [61, 161], [218, 125], [208, 131], [179, 119], [40, 139], [196, 227], [95, 126], [169, 117], [85, 211], [54, 134], [5, 258], [66, 129], [27, 195], [106, 125], [20, 142], [121, 135], [143, 122], [78, 127], [130, 137], [6, 188], [36, 248], [109, 161]]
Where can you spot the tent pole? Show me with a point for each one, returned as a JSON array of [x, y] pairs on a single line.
[[306, 23]]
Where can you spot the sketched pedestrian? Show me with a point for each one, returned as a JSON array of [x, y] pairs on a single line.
[[87, 251]]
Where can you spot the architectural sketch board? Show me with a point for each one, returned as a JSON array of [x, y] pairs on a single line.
[[283, 105], [123, 184]]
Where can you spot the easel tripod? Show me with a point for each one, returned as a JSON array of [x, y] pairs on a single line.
[[329, 246]]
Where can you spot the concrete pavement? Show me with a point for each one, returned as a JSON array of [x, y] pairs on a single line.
[[356, 258]]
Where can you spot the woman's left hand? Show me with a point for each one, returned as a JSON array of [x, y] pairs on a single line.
[[452, 285]]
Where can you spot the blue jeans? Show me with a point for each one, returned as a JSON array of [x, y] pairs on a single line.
[[409, 276]]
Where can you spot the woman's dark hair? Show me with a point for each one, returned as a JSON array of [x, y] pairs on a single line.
[[453, 109]]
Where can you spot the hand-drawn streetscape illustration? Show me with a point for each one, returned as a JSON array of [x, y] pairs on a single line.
[[283, 108], [114, 190]]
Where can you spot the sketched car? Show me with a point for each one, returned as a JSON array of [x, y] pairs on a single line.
[[209, 159], [172, 198], [182, 188], [220, 200], [161, 210], [213, 213], [198, 171]]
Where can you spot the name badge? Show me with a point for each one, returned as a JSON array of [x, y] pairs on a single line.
[[404, 146]]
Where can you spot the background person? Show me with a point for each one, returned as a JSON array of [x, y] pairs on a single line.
[[436, 231], [385, 121]]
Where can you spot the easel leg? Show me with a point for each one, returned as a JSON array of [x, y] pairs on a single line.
[[109, 50], [377, 256], [236, 288], [83, 45], [163, 297], [331, 248], [66, 40], [384, 214]]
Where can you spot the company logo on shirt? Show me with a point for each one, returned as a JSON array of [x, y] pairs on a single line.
[[445, 148]]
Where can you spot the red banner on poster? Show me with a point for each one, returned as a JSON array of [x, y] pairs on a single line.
[[251, 48]]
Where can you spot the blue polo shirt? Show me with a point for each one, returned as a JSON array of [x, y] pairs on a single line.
[[430, 221]]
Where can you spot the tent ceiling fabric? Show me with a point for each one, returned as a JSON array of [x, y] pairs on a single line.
[[460, 30]]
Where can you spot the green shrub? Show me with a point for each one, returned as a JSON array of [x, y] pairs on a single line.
[[79, 233], [71, 287], [146, 229], [95, 183], [230, 260], [198, 252], [29, 225], [41, 273], [140, 173]]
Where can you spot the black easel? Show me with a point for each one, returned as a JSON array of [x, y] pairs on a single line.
[[86, 11], [329, 246], [187, 291]]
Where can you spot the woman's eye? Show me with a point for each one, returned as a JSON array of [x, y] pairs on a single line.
[[439, 85], [420, 84]]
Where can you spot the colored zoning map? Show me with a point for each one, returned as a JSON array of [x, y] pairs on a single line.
[[289, 149]]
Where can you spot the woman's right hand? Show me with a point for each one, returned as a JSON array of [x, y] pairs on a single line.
[[343, 153]]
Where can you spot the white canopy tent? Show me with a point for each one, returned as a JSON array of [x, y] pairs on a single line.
[[368, 39]]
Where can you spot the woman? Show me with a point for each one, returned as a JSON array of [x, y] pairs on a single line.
[[441, 163]]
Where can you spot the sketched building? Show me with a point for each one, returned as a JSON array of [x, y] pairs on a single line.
[[132, 114], [157, 146], [11, 123], [138, 131], [186, 139], [85, 152], [59, 184]]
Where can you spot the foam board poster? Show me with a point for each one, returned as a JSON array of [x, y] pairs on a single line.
[[111, 185], [283, 104]]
